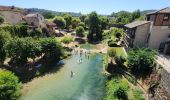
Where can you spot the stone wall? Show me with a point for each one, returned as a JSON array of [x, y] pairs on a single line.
[[165, 79]]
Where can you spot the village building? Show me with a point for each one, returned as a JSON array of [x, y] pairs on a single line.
[[12, 14], [153, 33], [35, 19]]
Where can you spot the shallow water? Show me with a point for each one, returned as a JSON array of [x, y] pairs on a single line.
[[87, 82]]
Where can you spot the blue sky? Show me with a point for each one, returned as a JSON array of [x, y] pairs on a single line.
[[86, 6]]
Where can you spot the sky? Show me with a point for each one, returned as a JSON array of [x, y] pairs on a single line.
[[87, 6]]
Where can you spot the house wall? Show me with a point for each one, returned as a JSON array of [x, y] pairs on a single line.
[[160, 20], [11, 17], [38, 21], [141, 35], [159, 34]]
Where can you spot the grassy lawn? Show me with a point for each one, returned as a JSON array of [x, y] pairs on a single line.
[[120, 51]]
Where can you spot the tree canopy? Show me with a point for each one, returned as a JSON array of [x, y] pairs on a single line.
[[79, 31], [141, 61], [10, 86], [60, 22], [68, 20], [48, 15], [94, 25]]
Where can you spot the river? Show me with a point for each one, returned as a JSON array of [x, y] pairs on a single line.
[[87, 82]]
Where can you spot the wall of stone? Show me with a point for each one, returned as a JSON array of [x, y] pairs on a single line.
[[165, 79]]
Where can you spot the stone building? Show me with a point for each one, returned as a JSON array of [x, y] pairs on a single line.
[[11, 14]]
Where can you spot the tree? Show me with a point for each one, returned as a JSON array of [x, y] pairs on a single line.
[[82, 18], [68, 20], [123, 17], [94, 26], [10, 86], [4, 37], [20, 49], [48, 15], [75, 22], [79, 31], [82, 24], [136, 14], [60, 22], [104, 22], [1, 20], [120, 60], [141, 61], [51, 49]]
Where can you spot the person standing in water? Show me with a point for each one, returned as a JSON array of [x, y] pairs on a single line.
[[71, 73]]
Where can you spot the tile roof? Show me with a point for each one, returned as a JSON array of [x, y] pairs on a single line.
[[136, 23], [164, 10]]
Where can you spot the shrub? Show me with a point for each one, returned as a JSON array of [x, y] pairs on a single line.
[[82, 24], [9, 86], [16, 30], [121, 93], [112, 44], [141, 61], [1, 20], [120, 60], [111, 52], [67, 39], [79, 31]]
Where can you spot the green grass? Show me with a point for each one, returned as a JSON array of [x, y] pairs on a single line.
[[112, 85], [120, 51]]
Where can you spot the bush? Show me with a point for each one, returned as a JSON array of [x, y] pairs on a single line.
[[121, 93], [79, 31], [4, 37], [1, 20], [16, 30], [141, 61], [9, 86], [111, 52], [67, 39], [120, 60], [82, 25]]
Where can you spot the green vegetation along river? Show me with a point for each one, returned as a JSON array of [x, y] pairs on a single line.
[[87, 82]]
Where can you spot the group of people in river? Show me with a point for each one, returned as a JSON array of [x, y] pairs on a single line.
[[80, 52]]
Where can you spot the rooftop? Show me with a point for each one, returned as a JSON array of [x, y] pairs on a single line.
[[164, 10], [32, 15], [136, 23]]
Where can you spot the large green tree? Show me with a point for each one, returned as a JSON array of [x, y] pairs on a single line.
[[104, 22], [4, 37], [136, 14], [60, 22], [79, 31], [9, 86], [94, 25], [20, 49], [68, 19], [82, 18], [75, 22], [48, 15], [141, 61]]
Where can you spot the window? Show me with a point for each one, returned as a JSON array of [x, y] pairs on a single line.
[[166, 17]]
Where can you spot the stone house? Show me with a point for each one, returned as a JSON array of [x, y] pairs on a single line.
[[153, 33], [137, 32], [35, 19], [11, 14]]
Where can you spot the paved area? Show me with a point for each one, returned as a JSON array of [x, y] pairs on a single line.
[[164, 60]]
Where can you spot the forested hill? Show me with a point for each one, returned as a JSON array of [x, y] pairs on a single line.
[[36, 10]]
